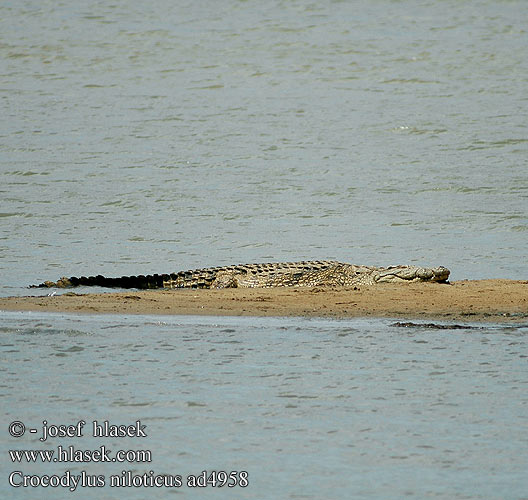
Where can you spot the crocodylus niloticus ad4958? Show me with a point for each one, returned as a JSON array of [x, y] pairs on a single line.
[[296, 274]]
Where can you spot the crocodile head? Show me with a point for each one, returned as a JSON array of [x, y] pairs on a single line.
[[397, 274]]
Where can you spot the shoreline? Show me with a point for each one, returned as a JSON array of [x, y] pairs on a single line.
[[496, 300]]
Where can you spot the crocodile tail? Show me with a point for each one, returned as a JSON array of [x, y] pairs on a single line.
[[143, 282]]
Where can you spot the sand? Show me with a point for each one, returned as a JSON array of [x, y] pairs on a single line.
[[479, 300]]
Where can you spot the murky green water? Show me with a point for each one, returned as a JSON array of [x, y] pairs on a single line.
[[141, 137], [309, 408]]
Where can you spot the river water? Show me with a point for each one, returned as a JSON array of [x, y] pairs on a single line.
[[309, 408], [142, 137], [151, 137]]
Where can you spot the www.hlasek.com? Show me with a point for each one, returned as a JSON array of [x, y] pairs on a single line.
[[70, 454]]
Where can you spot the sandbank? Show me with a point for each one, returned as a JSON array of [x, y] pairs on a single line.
[[497, 300]]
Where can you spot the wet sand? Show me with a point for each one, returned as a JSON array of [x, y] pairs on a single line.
[[480, 300]]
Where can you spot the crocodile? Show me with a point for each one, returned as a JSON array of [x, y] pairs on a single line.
[[267, 275]]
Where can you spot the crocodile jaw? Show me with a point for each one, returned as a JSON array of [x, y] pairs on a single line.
[[398, 274]]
